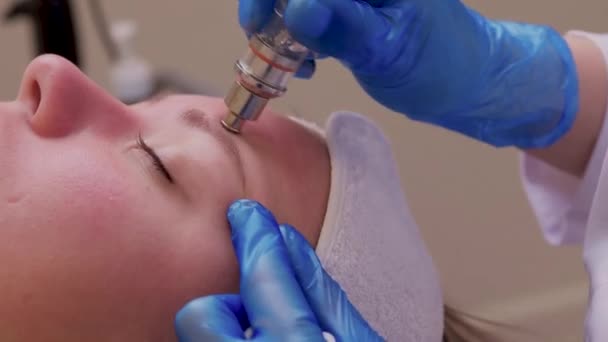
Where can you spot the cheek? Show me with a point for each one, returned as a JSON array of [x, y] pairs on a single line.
[[89, 193], [203, 257], [108, 245], [66, 238], [74, 211]]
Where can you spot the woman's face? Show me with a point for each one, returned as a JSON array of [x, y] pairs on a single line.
[[113, 217]]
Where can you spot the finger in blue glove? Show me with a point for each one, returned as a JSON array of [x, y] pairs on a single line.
[[285, 292], [269, 289], [328, 301], [213, 318], [271, 301]]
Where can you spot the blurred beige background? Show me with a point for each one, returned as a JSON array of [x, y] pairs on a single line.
[[466, 197]]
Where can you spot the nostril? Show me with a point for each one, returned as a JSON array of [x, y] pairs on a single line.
[[35, 96], [30, 95]]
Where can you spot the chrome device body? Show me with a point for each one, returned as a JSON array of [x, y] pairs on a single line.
[[263, 72]]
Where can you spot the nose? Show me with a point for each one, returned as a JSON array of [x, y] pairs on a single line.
[[63, 101]]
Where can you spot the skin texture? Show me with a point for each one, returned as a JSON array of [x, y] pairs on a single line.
[[573, 151], [96, 243]]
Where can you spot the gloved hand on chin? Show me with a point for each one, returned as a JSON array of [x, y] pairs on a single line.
[[437, 61], [285, 295]]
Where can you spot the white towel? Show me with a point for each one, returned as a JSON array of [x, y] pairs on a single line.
[[370, 243]]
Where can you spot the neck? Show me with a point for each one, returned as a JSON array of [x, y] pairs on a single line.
[[296, 173]]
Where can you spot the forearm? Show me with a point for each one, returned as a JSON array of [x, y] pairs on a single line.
[[572, 152]]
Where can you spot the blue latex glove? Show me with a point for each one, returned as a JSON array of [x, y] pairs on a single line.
[[285, 295], [437, 61]]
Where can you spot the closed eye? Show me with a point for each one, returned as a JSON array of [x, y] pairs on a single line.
[[156, 161]]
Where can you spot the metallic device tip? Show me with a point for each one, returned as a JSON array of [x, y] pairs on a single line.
[[232, 123]]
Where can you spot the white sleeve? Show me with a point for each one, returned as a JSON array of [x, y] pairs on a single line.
[[560, 201]]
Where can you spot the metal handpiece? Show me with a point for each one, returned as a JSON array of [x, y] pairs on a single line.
[[262, 73]]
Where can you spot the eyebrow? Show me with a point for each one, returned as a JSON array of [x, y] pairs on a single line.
[[200, 120], [196, 118]]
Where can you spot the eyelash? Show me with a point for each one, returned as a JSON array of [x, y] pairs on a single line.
[[158, 163]]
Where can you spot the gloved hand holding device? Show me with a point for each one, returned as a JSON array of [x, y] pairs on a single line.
[[285, 295], [437, 61]]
